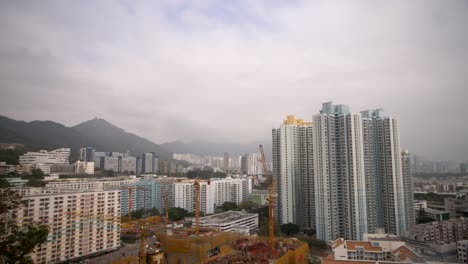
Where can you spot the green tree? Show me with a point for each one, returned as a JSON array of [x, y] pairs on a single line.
[[17, 242], [263, 229], [227, 206], [248, 206], [290, 229], [177, 213], [108, 173], [4, 183], [11, 156], [138, 214], [153, 211], [422, 218], [35, 183], [37, 174]]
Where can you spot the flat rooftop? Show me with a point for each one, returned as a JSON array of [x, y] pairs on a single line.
[[226, 217]]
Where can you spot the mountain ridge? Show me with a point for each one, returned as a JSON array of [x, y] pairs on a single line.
[[97, 133]]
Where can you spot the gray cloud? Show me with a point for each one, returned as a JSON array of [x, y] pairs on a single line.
[[230, 71]]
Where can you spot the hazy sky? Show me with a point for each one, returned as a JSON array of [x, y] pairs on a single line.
[[232, 70]]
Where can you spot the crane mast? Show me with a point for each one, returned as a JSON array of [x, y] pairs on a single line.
[[271, 193], [166, 207], [197, 206]]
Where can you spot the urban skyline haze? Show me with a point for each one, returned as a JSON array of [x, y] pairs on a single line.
[[230, 71]]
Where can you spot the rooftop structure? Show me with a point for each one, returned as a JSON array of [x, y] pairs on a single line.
[[58, 156], [375, 250], [441, 232], [230, 220]]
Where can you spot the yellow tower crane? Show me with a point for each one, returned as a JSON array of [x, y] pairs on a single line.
[[144, 234], [271, 193], [166, 207], [197, 206]]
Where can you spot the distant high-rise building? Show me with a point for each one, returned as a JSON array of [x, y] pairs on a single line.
[[110, 163], [155, 164], [243, 164], [408, 188], [147, 162], [128, 164], [87, 154], [250, 164], [226, 161], [340, 190], [385, 186], [463, 168], [290, 172]]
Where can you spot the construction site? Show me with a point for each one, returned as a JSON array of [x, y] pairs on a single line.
[[190, 245]]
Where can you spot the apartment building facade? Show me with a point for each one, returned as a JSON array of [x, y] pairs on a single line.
[[81, 222]]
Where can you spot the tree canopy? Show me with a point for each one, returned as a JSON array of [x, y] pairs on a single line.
[[177, 213], [228, 206], [290, 229], [17, 242]]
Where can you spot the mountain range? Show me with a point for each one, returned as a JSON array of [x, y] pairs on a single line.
[[96, 133], [104, 136]]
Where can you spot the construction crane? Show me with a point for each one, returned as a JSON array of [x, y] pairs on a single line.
[[271, 193], [166, 207], [144, 234], [197, 206]]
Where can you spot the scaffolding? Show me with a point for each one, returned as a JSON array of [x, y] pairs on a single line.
[[183, 246]]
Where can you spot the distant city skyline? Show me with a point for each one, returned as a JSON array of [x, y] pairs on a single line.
[[227, 71]]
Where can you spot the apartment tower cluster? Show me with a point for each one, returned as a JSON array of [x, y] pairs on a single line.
[[343, 174]]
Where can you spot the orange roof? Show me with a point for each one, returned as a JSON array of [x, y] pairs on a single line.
[[337, 243], [351, 245], [403, 253], [326, 261], [329, 257]]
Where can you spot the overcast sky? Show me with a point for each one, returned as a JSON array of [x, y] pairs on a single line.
[[231, 70]]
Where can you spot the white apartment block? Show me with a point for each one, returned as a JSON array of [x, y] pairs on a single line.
[[340, 187], [80, 222], [184, 196], [253, 164], [128, 164], [84, 167], [58, 156], [110, 163], [90, 185], [230, 189]]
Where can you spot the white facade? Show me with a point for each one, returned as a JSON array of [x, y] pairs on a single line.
[[184, 196], [253, 164], [45, 168], [128, 164], [340, 190], [90, 185], [84, 167], [80, 223], [230, 189], [111, 163], [293, 172], [58, 156]]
